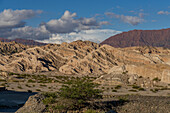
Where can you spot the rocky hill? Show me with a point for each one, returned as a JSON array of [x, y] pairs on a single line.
[[9, 48], [83, 57], [23, 41], [155, 38]]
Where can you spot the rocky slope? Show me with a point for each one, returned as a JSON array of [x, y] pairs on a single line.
[[83, 57], [116, 104], [155, 38], [9, 48]]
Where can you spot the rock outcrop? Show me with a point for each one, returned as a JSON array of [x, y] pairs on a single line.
[[33, 105], [83, 57], [155, 38], [9, 48]]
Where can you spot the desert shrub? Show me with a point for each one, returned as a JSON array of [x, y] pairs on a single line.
[[31, 81], [20, 87], [38, 90], [73, 95], [156, 79], [27, 85], [140, 77], [154, 90], [80, 89], [118, 87], [49, 100], [3, 84], [123, 99], [135, 87], [165, 88], [114, 90], [43, 85], [15, 81], [2, 80], [90, 111], [50, 94], [132, 90], [141, 89], [125, 72], [108, 88]]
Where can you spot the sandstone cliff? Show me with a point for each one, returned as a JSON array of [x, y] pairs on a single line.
[[83, 57]]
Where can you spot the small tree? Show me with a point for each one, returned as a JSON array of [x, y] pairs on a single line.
[[79, 91]]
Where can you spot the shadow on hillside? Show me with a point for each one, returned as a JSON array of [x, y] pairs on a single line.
[[11, 101]]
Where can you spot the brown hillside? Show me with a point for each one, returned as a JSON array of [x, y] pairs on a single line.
[[155, 38]]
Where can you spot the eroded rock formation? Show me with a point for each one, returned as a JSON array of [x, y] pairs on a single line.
[[82, 57]]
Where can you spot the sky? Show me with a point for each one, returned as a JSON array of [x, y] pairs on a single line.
[[57, 21]]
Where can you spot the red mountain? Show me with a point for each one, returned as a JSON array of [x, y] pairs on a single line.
[[155, 38], [23, 41]]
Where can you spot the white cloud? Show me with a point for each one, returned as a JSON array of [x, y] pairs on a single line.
[[14, 18], [163, 13], [67, 28], [142, 15], [67, 23], [95, 35], [133, 20]]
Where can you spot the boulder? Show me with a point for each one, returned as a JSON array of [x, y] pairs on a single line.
[[33, 105]]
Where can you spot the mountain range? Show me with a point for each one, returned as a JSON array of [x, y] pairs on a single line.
[[23, 41], [85, 57]]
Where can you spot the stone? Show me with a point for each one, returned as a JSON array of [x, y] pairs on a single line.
[[34, 104]]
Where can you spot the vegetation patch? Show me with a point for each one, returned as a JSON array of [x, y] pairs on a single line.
[[156, 79], [133, 90], [154, 90], [73, 95], [118, 87]]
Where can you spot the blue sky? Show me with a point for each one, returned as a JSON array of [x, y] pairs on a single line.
[[119, 15]]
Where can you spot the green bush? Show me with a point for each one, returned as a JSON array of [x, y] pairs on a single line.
[[20, 87], [80, 89], [31, 81], [49, 100], [90, 111], [38, 89], [154, 90], [135, 87], [132, 90], [118, 87], [156, 79], [141, 89], [114, 90], [73, 95]]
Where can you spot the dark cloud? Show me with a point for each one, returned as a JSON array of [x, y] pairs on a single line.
[[26, 32]]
